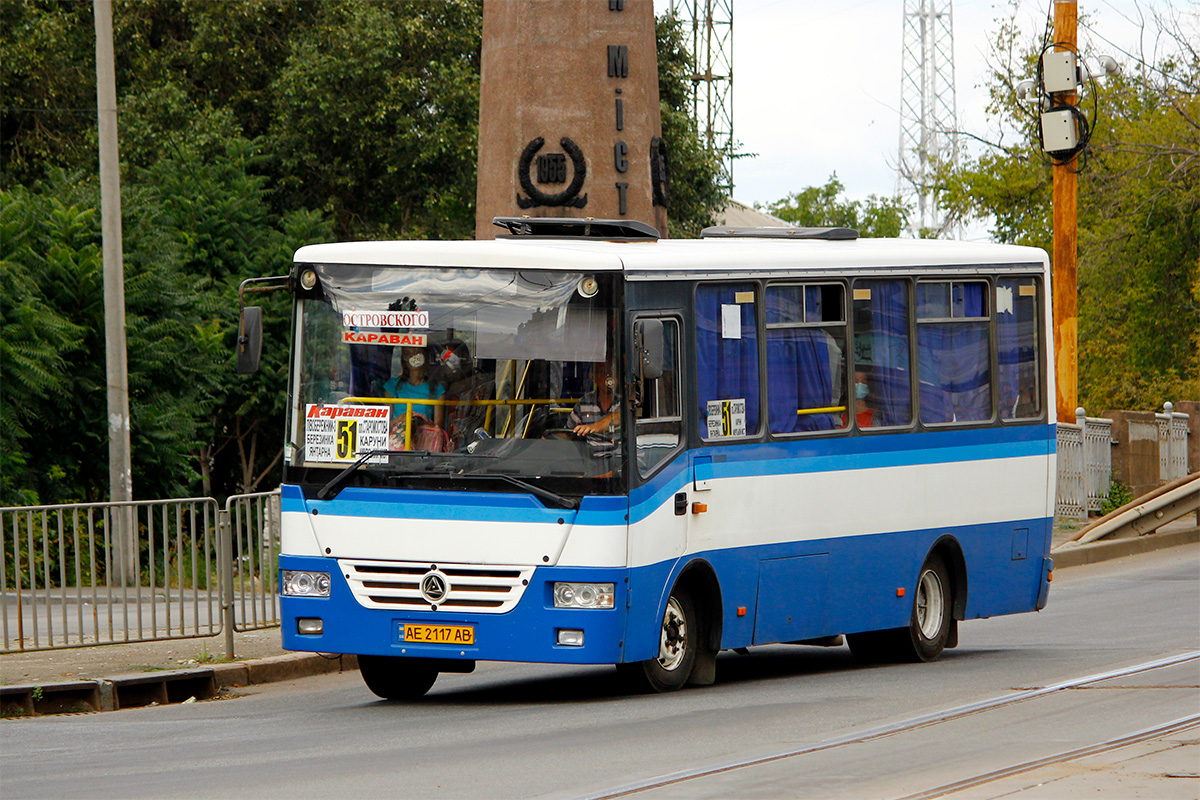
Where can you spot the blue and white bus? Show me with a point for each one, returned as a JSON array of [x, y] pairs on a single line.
[[578, 444]]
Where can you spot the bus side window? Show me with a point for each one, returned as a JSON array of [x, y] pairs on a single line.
[[806, 357], [882, 354], [953, 351], [658, 415], [727, 360], [1018, 317]]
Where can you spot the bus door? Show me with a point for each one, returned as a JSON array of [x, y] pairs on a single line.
[[658, 517]]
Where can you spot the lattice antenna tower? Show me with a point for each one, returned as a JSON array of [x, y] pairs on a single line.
[[708, 24], [928, 122]]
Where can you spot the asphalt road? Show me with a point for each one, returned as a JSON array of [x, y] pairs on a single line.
[[816, 723]]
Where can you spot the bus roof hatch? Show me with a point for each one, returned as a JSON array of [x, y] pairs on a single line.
[[828, 234], [571, 227]]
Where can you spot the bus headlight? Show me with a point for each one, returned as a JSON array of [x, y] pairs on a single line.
[[583, 595], [297, 583]]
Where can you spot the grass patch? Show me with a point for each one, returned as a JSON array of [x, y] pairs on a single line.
[[12, 710]]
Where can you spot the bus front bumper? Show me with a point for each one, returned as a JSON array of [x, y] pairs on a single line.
[[532, 631]]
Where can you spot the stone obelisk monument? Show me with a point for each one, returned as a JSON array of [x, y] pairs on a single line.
[[569, 124]]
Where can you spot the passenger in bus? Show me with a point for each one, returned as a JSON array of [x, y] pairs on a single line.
[[597, 414], [864, 412], [412, 383], [455, 370]]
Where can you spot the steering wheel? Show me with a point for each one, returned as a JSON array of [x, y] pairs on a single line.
[[566, 434]]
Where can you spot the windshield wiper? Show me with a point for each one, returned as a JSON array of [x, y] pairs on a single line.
[[448, 471], [545, 494], [336, 481], [445, 467]]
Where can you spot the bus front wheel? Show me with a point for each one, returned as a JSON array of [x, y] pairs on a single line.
[[395, 678], [678, 641]]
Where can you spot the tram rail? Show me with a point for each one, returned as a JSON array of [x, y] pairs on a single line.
[[938, 718]]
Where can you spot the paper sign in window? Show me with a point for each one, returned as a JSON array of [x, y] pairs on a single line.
[[726, 418], [731, 321]]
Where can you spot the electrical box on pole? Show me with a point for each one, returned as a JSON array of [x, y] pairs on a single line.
[[1059, 131]]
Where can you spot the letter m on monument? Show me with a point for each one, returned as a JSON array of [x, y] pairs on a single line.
[[618, 61]]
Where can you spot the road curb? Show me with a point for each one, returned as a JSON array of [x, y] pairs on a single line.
[[1071, 554], [166, 687]]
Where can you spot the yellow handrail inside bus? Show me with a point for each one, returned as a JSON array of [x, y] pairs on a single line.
[[408, 403], [826, 410]]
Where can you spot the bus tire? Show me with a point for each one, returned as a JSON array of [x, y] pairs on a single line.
[[678, 640], [395, 678], [929, 626]]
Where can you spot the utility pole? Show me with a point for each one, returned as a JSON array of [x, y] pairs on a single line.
[[120, 473], [1063, 260]]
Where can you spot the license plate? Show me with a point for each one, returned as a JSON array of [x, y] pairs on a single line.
[[437, 634]]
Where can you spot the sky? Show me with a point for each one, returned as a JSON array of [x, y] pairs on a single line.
[[816, 85]]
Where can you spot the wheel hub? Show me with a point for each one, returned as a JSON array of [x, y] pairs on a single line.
[[931, 600], [673, 643]]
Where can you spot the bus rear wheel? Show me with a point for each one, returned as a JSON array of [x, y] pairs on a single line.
[[395, 678], [929, 626], [678, 640], [929, 622]]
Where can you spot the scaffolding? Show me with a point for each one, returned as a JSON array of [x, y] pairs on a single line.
[[928, 121], [709, 27]]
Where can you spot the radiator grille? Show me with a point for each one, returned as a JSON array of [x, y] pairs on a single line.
[[397, 584]]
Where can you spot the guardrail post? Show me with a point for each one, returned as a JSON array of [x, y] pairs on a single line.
[[225, 571]]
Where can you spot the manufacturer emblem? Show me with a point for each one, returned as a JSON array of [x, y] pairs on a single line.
[[434, 587]]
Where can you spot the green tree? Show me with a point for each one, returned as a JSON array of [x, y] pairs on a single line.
[[825, 206], [47, 88], [61, 454], [376, 118], [219, 217], [34, 343]]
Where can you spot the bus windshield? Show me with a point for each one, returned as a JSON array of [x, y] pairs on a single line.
[[458, 372]]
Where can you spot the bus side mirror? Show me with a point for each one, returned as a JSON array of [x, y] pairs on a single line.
[[249, 343], [649, 346]]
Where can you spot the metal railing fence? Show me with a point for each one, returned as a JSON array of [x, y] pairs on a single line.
[[1085, 459], [1172, 443], [254, 520], [1071, 497], [1097, 457], [104, 573]]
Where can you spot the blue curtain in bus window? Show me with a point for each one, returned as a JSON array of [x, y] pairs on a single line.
[[1017, 336], [799, 376], [970, 299], [727, 366], [953, 360], [954, 372], [888, 355]]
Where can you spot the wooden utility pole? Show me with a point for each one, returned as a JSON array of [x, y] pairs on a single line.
[[1063, 260]]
